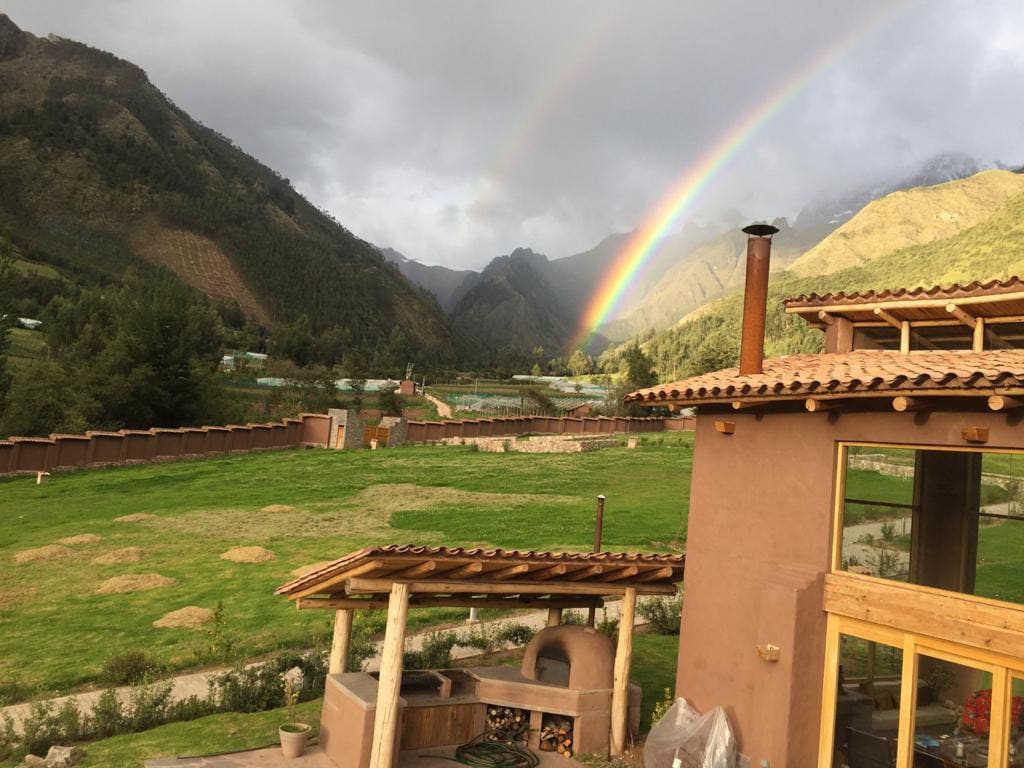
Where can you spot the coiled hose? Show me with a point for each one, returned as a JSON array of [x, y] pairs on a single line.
[[495, 749]]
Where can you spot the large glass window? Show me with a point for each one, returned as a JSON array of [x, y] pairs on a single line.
[[867, 704], [947, 519]]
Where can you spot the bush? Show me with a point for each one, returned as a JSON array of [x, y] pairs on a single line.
[[436, 652], [515, 634], [662, 613], [608, 627], [129, 668]]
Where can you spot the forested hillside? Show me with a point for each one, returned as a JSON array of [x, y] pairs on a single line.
[[985, 245], [102, 172]]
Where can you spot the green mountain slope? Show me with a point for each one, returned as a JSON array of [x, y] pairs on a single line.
[[993, 247], [102, 172]]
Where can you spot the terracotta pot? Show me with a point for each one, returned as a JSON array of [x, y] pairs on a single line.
[[293, 738]]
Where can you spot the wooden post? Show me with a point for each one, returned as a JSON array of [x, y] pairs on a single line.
[[385, 721], [554, 617], [620, 686], [598, 532], [341, 642]]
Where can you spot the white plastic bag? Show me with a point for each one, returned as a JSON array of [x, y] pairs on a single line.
[[699, 741]]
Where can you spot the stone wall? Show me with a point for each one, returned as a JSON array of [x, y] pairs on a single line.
[[536, 443], [443, 431]]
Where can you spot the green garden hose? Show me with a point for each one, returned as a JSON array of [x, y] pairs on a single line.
[[495, 749]]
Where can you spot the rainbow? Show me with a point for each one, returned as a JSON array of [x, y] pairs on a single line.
[[645, 241]]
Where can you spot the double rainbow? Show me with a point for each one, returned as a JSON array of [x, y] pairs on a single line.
[[645, 241]]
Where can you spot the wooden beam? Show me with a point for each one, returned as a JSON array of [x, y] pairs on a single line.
[[623, 573], [741, 405], [904, 338], [1004, 402], [554, 617], [562, 588], [549, 573], [725, 427], [586, 573], [891, 319], [538, 602], [385, 721], [341, 642], [975, 434], [509, 572], [466, 570], [964, 317], [826, 317], [620, 684], [902, 404], [369, 569], [814, 405], [978, 342], [656, 574], [416, 571]]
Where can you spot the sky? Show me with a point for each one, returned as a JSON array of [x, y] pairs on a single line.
[[457, 130]]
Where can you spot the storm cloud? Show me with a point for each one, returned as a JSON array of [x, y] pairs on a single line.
[[457, 130]]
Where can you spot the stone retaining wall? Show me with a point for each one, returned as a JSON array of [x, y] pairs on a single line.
[[442, 431]]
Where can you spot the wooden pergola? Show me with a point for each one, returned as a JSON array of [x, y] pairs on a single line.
[[397, 577]]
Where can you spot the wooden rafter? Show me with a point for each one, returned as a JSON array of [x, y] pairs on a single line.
[[655, 574], [1004, 402], [449, 601], [362, 586], [962, 315], [586, 573], [509, 572], [891, 319], [469, 569], [816, 404], [623, 573], [549, 573], [902, 404]]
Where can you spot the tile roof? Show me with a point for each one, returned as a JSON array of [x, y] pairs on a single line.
[[409, 555], [938, 292], [852, 374]]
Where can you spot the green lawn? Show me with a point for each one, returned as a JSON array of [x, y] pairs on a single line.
[[26, 343], [58, 630], [654, 666]]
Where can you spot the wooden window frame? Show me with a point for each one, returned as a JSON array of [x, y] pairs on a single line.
[[1003, 667]]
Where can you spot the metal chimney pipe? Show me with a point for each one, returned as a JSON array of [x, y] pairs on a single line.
[[755, 297]]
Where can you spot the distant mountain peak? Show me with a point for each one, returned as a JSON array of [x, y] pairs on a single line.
[[12, 39]]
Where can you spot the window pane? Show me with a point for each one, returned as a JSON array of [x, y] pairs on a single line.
[[881, 337], [941, 337], [1004, 336], [951, 520], [953, 717], [867, 703]]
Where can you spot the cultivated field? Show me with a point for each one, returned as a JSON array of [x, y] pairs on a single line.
[[92, 559]]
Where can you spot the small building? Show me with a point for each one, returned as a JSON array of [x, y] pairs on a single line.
[[572, 673], [407, 388], [855, 551]]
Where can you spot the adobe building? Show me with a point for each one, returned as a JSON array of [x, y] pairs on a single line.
[[854, 589]]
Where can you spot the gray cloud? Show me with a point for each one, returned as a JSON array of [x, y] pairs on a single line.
[[456, 130]]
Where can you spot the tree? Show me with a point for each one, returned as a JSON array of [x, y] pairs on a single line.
[[389, 402], [579, 364], [638, 368], [40, 402]]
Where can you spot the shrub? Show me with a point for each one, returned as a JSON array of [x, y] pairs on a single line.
[[247, 689], [515, 634], [148, 706], [608, 626], [129, 668], [662, 613], [662, 706], [11, 692], [436, 652], [481, 639], [107, 715]]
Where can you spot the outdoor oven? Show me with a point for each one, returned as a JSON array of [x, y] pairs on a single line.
[[565, 677]]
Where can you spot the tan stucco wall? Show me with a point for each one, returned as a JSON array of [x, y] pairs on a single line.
[[758, 546]]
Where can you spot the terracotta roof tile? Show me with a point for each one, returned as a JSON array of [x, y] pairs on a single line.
[[852, 373], [405, 552], [954, 291]]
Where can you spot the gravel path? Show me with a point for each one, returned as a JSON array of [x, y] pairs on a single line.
[[443, 409]]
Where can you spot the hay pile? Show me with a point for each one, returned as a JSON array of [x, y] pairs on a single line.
[[248, 555], [135, 517], [118, 556], [49, 552], [277, 508], [189, 617], [133, 582], [82, 538]]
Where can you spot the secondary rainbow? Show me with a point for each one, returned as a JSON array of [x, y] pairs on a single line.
[[680, 197]]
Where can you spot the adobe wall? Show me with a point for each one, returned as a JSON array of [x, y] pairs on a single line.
[[105, 448], [684, 424], [69, 451], [758, 547], [316, 429]]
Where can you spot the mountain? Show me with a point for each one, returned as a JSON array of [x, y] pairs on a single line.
[[514, 304], [103, 173], [446, 285], [970, 229]]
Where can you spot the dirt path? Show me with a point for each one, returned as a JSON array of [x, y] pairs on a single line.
[[197, 683], [443, 409]]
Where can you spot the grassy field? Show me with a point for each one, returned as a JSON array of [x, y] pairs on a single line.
[[27, 344], [304, 506]]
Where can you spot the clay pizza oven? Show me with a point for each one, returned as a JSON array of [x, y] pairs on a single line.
[[579, 658]]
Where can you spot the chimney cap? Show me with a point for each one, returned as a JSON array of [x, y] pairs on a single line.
[[760, 230]]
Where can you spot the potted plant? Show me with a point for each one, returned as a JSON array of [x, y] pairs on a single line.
[[292, 733]]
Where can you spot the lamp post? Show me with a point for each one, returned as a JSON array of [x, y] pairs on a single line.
[[598, 528]]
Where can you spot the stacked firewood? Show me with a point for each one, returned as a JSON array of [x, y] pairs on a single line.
[[556, 735], [507, 722]]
